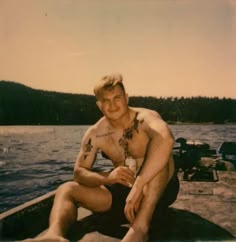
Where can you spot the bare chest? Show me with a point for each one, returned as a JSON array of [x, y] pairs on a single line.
[[119, 145]]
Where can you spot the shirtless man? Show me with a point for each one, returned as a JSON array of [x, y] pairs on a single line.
[[122, 132]]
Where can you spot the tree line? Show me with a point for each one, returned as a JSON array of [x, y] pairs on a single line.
[[22, 105]]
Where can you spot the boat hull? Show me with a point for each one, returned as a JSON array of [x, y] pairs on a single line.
[[202, 211], [26, 220]]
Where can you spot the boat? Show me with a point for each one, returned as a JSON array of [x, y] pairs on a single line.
[[228, 150], [195, 155], [204, 210]]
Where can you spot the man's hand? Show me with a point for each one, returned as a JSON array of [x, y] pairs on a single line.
[[133, 201], [122, 175]]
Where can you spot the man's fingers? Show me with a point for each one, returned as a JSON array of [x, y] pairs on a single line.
[[137, 204], [124, 175], [131, 216], [129, 212], [136, 207], [128, 178], [126, 170], [125, 183]]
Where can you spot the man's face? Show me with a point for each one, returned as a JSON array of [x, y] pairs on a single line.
[[113, 103]]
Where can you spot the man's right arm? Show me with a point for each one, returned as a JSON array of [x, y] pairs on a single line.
[[85, 160]]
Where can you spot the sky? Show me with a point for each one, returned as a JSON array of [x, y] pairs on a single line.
[[162, 48]]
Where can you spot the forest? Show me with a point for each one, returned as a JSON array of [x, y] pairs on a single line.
[[22, 105]]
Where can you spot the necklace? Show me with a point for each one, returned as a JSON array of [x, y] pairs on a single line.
[[128, 135]]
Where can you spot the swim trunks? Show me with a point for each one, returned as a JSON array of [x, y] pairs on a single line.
[[120, 193]]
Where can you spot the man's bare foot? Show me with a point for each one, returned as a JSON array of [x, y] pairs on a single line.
[[135, 235]]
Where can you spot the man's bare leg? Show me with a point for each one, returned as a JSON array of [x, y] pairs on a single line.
[[138, 231], [64, 211]]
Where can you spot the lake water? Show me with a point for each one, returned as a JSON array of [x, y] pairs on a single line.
[[36, 159]]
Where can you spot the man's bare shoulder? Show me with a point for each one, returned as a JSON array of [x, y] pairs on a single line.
[[144, 113], [151, 121], [100, 128]]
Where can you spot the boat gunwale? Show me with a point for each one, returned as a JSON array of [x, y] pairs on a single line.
[[26, 205]]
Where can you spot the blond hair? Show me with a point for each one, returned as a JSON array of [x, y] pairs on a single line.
[[108, 83]]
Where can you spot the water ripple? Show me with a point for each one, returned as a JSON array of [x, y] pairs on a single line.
[[37, 159]]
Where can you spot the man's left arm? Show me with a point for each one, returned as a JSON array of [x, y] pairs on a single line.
[[157, 156], [158, 150]]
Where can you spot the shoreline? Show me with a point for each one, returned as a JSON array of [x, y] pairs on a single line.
[[193, 123]]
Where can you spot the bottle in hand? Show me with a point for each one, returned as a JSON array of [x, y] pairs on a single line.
[[131, 163]]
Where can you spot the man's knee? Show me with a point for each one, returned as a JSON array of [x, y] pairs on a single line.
[[67, 189]]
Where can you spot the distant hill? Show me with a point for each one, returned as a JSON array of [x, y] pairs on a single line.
[[22, 105]]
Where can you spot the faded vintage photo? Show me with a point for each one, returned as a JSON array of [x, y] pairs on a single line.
[[117, 120]]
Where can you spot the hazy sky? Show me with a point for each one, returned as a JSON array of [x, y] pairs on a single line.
[[162, 47]]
